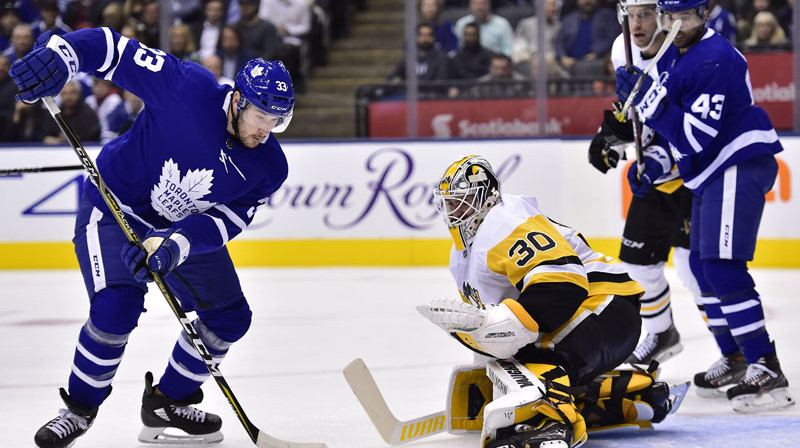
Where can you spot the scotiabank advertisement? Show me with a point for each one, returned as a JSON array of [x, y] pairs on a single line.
[[770, 76]]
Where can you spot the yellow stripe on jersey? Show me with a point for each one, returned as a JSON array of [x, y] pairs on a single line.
[[532, 244], [670, 186], [608, 276], [628, 288], [592, 305], [522, 315]]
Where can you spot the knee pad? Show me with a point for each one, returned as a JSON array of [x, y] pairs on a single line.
[[727, 277], [469, 392], [116, 309], [228, 323]]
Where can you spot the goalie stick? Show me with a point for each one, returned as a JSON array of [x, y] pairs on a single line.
[[392, 430], [396, 432], [259, 438]]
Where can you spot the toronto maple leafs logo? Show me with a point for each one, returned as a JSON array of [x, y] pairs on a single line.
[[176, 197], [256, 71]]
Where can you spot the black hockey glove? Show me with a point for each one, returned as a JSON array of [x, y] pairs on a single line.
[[614, 131], [601, 155]]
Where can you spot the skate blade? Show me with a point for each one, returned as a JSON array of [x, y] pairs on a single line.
[[717, 392], [773, 400], [174, 436], [677, 392]]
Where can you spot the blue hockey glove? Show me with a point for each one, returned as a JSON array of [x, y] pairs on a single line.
[[44, 71], [657, 161], [159, 253], [649, 100]]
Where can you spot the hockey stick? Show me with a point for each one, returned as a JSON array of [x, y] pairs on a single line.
[[260, 438], [392, 430], [637, 126], [676, 26], [42, 169]]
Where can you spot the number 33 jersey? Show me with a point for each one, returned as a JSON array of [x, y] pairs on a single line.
[[519, 251]]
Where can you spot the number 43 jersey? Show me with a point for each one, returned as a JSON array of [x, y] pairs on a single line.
[[519, 251], [177, 166]]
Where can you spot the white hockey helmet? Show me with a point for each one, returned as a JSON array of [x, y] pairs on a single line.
[[622, 6], [464, 194]]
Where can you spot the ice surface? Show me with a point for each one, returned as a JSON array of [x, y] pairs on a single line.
[[308, 324]]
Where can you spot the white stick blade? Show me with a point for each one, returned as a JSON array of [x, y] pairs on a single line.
[[366, 390], [265, 440]]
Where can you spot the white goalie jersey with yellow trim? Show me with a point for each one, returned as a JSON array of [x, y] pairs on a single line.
[[518, 248]]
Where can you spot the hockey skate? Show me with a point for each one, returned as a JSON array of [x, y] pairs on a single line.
[[169, 421], [723, 374], [70, 424], [657, 347], [763, 388], [549, 434]]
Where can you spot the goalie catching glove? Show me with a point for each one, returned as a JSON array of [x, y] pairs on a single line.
[[496, 330]]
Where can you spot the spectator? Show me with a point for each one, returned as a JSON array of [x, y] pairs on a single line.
[[181, 43], [767, 34], [121, 118], [472, 60], [9, 19], [432, 62], [496, 32], [129, 30], [214, 64], [259, 37], [21, 42], [585, 39], [209, 34], [133, 10], [114, 16], [7, 91], [187, 12], [81, 118], [292, 19], [51, 20], [231, 52], [80, 14], [526, 36], [148, 27], [722, 21], [778, 8], [27, 123], [502, 81], [103, 100], [430, 11]]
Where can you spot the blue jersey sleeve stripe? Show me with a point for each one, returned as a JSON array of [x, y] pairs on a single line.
[[109, 50], [742, 141], [232, 216], [123, 42], [223, 231]]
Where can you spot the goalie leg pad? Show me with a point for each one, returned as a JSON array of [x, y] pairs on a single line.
[[470, 389], [624, 398], [528, 395]]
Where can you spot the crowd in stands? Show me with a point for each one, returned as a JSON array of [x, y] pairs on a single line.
[[466, 48], [222, 35], [462, 44]]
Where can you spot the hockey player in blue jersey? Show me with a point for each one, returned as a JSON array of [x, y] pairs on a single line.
[[725, 149], [189, 175]]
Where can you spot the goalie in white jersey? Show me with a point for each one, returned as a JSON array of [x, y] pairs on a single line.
[[557, 315]]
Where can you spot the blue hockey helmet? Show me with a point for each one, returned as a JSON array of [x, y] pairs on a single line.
[[681, 5], [266, 85]]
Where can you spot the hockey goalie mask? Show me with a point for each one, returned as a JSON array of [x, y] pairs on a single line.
[[464, 194]]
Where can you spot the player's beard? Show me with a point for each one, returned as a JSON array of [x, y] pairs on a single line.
[[685, 39]]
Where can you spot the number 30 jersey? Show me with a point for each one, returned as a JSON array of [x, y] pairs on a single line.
[[549, 268], [177, 166]]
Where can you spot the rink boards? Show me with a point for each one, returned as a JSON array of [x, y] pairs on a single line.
[[370, 203]]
